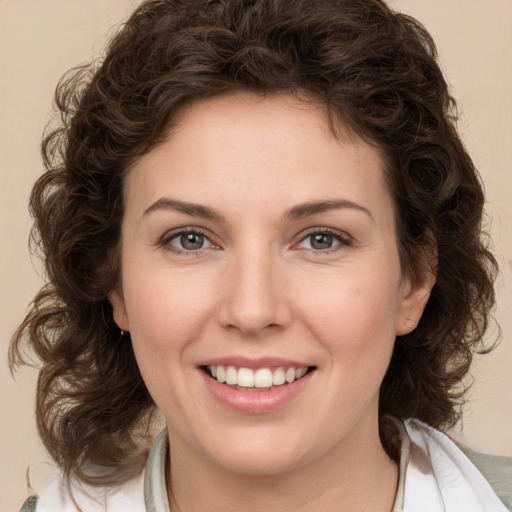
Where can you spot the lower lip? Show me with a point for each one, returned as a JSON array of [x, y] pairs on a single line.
[[255, 402]]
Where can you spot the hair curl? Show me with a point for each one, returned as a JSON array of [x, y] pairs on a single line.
[[374, 68]]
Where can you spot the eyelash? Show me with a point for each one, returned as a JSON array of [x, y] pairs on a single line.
[[342, 238], [166, 240]]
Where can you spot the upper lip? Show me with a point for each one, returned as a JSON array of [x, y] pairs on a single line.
[[254, 363]]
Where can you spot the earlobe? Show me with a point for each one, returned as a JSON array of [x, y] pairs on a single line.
[[119, 310], [417, 292]]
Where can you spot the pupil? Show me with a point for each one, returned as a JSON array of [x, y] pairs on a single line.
[[191, 241], [321, 241]]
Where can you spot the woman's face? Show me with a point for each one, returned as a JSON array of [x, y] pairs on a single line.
[[255, 247]]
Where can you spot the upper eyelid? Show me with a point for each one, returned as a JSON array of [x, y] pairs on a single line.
[[164, 242], [331, 231], [166, 238], [302, 235], [171, 233], [344, 240]]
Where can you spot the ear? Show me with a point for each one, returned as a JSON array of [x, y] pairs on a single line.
[[116, 300], [416, 288]]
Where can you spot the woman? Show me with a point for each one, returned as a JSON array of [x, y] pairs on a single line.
[[258, 218]]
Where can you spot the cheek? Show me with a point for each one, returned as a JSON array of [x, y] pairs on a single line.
[[360, 302], [160, 295], [166, 317], [354, 317], [166, 312]]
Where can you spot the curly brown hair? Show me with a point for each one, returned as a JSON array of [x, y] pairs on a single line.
[[371, 67]]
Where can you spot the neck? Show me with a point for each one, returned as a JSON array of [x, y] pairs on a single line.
[[356, 476]]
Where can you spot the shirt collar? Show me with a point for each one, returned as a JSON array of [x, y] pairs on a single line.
[[434, 473]]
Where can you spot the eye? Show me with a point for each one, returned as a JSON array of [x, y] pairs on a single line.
[[323, 241], [188, 241]]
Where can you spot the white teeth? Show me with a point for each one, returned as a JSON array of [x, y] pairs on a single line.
[[278, 377], [290, 375], [221, 374], [300, 372], [263, 378], [245, 378], [231, 376]]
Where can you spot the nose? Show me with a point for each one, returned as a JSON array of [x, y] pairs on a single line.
[[254, 300]]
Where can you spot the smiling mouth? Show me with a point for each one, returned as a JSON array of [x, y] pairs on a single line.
[[262, 379]]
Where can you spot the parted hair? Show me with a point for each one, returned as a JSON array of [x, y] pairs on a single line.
[[372, 68]]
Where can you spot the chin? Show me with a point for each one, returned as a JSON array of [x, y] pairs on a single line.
[[260, 452]]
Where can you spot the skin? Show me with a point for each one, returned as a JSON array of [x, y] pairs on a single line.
[[258, 288]]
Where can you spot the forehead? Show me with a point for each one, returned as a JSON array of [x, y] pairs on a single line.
[[248, 147]]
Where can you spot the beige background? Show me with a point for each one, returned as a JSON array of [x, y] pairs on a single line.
[[39, 40]]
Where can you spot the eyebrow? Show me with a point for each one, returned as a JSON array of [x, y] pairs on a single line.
[[193, 209], [315, 207], [297, 212]]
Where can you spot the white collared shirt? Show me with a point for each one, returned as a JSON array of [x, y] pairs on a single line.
[[435, 476]]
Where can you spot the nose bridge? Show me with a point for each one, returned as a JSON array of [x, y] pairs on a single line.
[[253, 299]]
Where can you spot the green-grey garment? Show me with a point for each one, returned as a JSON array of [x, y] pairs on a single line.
[[29, 505], [496, 469]]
